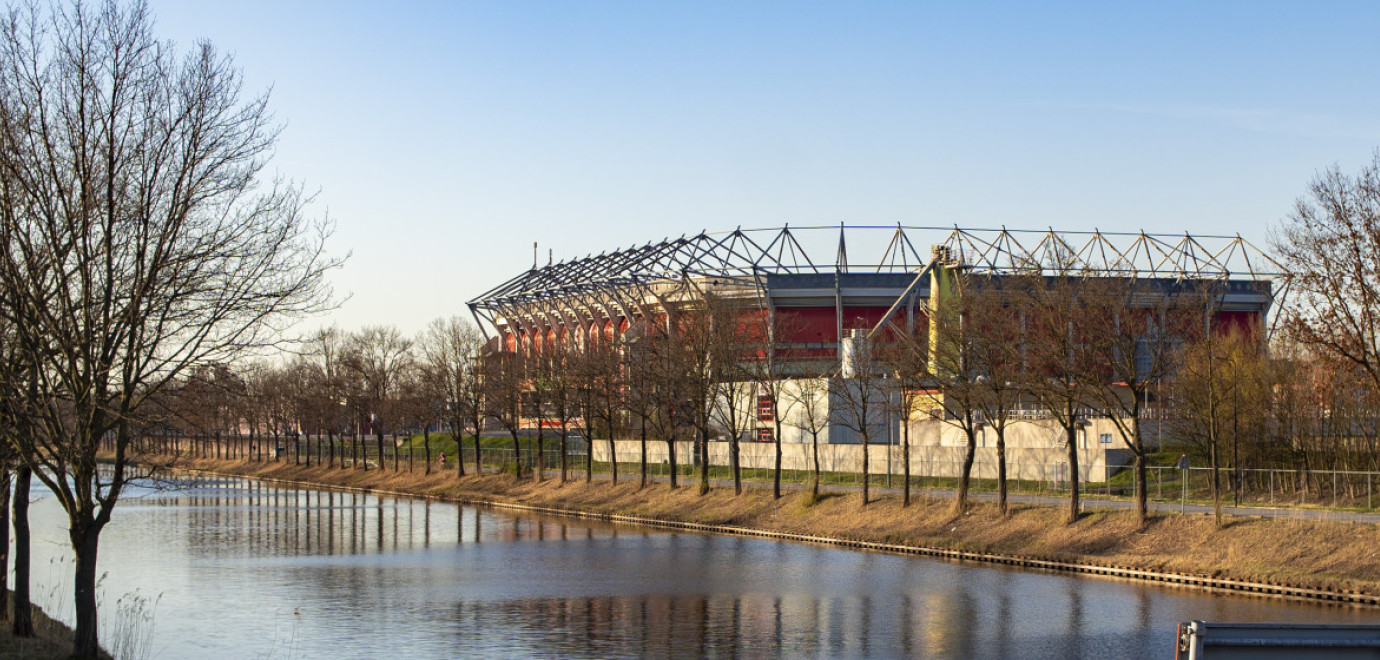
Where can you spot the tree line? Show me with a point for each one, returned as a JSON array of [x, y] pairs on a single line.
[[148, 263]]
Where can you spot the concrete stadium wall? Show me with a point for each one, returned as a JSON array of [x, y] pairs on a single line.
[[1026, 463]]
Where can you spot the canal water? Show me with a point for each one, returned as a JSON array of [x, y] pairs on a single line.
[[234, 568]]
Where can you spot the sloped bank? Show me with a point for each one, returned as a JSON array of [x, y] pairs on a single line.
[[1325, 561], [52, 640]]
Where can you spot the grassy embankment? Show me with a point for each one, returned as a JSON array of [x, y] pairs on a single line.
[[1315, 554], [1164, 484]]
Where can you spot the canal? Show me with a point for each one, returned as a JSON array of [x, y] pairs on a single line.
[[235, 568]]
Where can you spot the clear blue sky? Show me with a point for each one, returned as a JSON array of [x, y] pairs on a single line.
[[446, 137]]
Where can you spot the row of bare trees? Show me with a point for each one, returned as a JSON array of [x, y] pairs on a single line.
[[1073, 346], [340, 389]]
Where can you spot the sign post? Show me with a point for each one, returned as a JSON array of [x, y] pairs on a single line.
[[1183, 465]]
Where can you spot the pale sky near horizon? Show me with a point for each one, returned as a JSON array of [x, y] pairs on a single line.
[[445, 137]]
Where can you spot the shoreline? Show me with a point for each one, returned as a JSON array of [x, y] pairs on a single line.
[[52, 639], [1101, 543]]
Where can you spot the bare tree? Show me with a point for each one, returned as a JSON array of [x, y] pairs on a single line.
[[998, 331], [449, 350], [587, 368], [860, 393], [253, 409], [138, 238], [562, 396], [808, 405], [907, 359], [539, 385], [604, 375], [16, 421], [767, 366], [1136, 332], [1221, 381], [469, 391], [503, 381], [694, 341], [327, 349], [955, 368], [736, 335], [660, 378], [376, 357], [641, 401], [1059, 354], [1330, 244]]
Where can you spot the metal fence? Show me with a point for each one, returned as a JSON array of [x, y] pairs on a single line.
[[1339, 489]]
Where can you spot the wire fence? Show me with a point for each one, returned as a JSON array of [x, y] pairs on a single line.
[[1339, 489]]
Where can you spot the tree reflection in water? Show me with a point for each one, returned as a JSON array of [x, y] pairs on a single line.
[[360, 575]]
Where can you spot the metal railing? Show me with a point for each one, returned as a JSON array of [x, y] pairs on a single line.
[[1255, 487]]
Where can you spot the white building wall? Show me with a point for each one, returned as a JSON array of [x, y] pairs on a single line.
[[1035, 449]]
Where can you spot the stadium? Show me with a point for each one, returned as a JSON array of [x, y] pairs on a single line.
[[874, 278]]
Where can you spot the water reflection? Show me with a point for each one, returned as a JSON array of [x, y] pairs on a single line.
[[248, 569]]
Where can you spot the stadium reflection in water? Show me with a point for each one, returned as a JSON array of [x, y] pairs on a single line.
[[245, 569]]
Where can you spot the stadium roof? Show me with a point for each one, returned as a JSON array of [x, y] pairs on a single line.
[[752, 253]]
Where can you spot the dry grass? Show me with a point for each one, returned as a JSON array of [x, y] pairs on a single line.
[[51, 641], [1317, 554]]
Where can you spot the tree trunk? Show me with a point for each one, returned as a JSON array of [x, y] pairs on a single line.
[[736, 460], [589, 452], [85, 542], [459, 447], [330, 446], [704, 459], [1001, 472], [814, 441], [905, 459], [966, 478], [517, 451], [478, 459], [5, 477], [541, 453], [378, 442], [23, 610], [613, 450], [643, 463], [671, 457], [426, 447], [1142, 496], [776, 469], [1217, 489], [565, 466], [613, 453], [1073, 473], [866, 482]]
